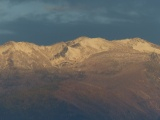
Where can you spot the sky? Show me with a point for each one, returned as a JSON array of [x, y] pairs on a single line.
[[46, 22]]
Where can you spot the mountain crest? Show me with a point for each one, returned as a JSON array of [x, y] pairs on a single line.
[[138, 40], [19, 46]]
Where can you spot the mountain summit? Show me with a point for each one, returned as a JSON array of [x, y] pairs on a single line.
[[82, 79]]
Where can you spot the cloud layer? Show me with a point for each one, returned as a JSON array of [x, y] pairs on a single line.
[[35, 20]]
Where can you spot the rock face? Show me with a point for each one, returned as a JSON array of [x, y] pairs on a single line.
[[83, 79]]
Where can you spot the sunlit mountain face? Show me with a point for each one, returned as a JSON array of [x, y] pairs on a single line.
[[82, 79]]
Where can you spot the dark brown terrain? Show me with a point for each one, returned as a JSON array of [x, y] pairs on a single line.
[[84, 79]]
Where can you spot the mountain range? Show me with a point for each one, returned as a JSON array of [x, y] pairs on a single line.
[[82, 79]]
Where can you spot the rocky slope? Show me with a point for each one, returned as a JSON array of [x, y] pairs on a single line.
[[82, 79]]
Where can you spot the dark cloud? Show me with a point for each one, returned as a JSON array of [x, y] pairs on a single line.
[[50, 21]]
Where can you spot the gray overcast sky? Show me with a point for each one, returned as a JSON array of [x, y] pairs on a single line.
[[46, 22]]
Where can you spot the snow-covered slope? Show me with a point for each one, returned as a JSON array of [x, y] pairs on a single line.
[[28, 55], [22, 55], [79, 49], [140, 45]]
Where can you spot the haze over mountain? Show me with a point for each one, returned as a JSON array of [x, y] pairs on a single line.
[[82, 79]]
